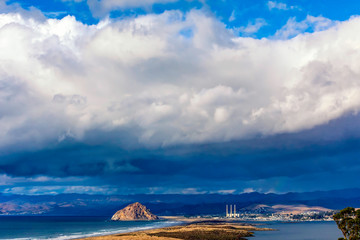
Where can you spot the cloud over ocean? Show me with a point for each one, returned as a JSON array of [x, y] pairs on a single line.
[[163, 90]]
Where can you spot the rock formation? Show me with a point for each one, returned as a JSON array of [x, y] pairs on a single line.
[[132, 212]]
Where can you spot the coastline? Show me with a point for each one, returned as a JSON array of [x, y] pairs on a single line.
[[163, 223], [197, 228]]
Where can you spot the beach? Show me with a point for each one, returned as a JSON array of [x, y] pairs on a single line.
[[190, 229]]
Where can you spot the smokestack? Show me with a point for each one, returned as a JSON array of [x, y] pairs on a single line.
[[234, 210], [227, 212], [230, 210]]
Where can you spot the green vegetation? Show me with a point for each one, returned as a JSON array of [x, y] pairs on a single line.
[[348, 221]]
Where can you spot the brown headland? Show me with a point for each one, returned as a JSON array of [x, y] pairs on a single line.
[[197, 230]]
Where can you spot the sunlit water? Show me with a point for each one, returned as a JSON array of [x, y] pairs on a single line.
[[22, 228], [300, 231]]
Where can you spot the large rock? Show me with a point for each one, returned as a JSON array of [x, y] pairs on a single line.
[[135, 211]]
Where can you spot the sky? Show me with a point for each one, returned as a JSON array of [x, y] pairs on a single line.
[[179, 96]]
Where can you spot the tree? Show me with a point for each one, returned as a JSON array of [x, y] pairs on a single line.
[[348, 221]]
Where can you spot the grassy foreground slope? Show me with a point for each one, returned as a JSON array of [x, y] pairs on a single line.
[[207, 230]]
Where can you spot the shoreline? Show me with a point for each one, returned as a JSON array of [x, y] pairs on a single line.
[[197, 228], [166, 223]]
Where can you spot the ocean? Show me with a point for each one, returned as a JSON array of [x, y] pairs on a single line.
[[299, 231], [59, 228]]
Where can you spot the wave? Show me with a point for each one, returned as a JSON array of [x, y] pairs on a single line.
[[102, 232]]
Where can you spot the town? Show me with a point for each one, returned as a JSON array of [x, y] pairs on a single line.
[[277, 213]]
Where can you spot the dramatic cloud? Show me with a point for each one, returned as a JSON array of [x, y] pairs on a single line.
[[287, 162], [61, 78], [172, 98]]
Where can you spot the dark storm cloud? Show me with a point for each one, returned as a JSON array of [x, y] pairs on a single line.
[[324, 151], [118, 103]]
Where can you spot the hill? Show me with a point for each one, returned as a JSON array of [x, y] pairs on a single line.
[[134, 211]]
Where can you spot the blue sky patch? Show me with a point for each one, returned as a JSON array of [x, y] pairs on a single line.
[[235, 14]]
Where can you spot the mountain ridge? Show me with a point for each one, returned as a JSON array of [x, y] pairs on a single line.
[[167, 204]]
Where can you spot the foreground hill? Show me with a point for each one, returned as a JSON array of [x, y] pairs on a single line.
[[207, 230]]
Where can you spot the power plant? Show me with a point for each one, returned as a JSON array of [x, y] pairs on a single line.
[[231, 211]]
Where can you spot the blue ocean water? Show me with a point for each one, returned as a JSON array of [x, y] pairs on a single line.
[[24, 228], [300, 231]]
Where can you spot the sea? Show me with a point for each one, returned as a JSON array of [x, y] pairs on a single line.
[[59, 228], [299, 231]]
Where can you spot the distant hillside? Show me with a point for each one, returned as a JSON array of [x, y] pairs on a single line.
[[168, 204], [282, 208]]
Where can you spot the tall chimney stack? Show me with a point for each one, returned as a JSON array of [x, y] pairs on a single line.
[[227, 212]]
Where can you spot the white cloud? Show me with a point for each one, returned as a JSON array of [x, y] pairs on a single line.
[[54, 190], [102, 7], [6, 180], [280, 6], [232, 191], [232, 16], [252, 27], [61, 78], [293, 28], [77, 1], [248, 190], [192, 191]]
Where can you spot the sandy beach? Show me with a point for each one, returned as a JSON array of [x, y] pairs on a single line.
[[191, 229]]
